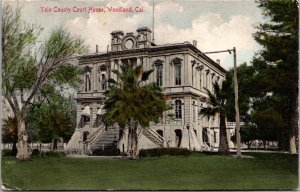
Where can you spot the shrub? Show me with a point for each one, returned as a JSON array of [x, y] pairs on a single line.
[[35, 152], [53, 154], [7, 152], [157, 152], [107, 151]]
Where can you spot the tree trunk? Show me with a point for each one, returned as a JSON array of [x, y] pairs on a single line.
[[294, 125], [14, 150], [133, 140], [24, 151], [223, 146], [54, 144]]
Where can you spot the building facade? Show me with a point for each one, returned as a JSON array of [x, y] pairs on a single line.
[[182, 71]]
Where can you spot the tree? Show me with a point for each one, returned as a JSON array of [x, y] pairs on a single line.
[[10, 133], [26, 71], [132, 103], [246, 87], [49, 121], [277, 62], [217, 105], [248, 134]]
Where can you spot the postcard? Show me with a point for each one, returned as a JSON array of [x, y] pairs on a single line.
[[149, 95]]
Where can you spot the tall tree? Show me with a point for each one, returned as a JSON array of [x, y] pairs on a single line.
[[277, 62], [217, 105], [26, 71], [132, 103], [245, 81]]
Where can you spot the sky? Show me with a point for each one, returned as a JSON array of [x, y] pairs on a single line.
[[215, 24]]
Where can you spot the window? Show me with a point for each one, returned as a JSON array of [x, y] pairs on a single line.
[[85, 119], [205, 135], [178, 113], [215, 137], [103, 82], [207, 79], [177, 74], [194, 112], [200, 73], [159, 73], [87, 83]]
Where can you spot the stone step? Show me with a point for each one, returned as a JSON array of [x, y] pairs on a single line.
[[107, 138]]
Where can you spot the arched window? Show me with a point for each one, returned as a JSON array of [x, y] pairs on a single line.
[[103, 77], [178, 109], [103, 82], [87, 82]]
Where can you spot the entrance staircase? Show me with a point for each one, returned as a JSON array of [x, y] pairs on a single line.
[[105, 138], [154, 137]]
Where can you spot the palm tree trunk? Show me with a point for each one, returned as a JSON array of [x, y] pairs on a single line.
[[23, 149], [223, 146], [135, 152], [132, 139]]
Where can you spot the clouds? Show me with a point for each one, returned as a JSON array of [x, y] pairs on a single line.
[[211, 30]]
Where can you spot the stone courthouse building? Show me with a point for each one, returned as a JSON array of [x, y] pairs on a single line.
[[182, 71]]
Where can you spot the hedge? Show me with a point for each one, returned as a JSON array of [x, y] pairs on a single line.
[[157, 152]]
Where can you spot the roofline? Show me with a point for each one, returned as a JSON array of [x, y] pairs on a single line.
[[154, 48]]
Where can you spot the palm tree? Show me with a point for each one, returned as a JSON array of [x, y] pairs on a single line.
[[132, 103], [217, 105]]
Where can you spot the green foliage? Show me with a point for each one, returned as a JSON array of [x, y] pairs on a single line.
[[246, 88], [217, 105], [52, 119], [157, 152], [132, 102], [268, 88], [35, 152], [129, 99], [217, 100], [10, 130], [277, 63], [7, 153], [67, 75], [18, 38]]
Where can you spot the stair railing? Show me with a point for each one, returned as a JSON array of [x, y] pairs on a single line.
[[205, 143], [159, 140], [92, 139]]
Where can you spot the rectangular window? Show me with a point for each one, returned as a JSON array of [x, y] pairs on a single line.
[[159, 73], [177, 74], [178, 113], [194, 113]]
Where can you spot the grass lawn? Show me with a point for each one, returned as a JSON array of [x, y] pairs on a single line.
[[197, 172]]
